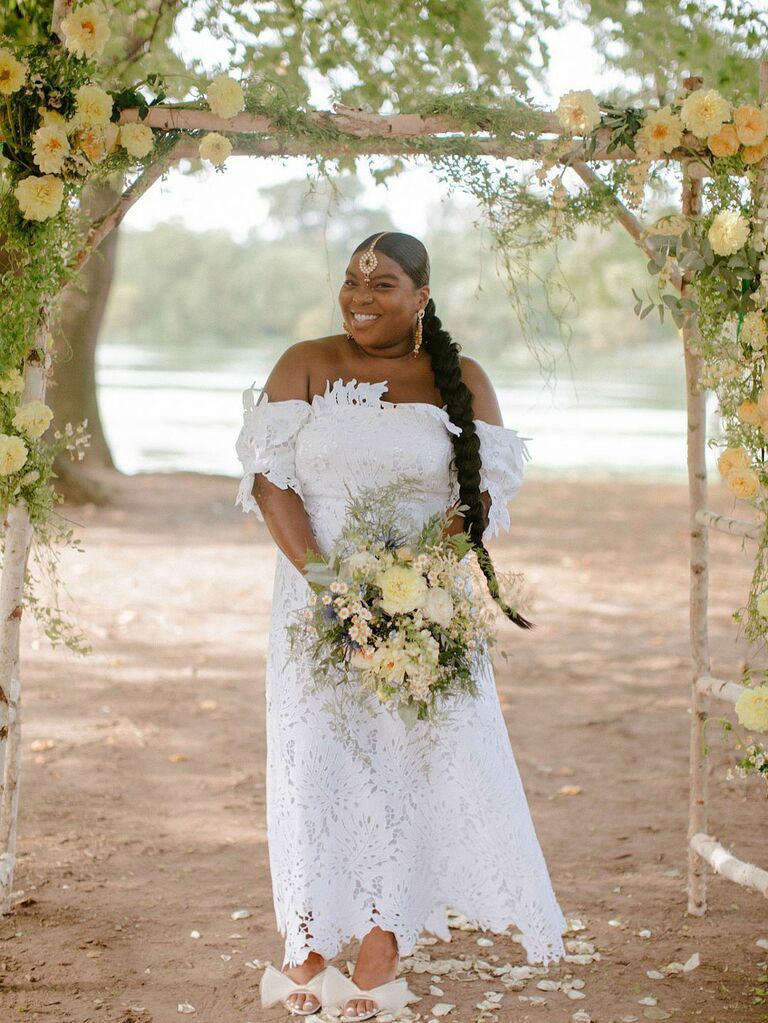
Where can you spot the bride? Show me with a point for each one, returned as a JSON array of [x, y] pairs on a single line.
[[375, 831]]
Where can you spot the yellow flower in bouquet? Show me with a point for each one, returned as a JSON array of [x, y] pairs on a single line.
[[39, 197], [402, 589], [751, 125], [86, 31], [53, 117], [752, 709], [744, 483], [13, 454], [704, 112], [728, 232], [438, 605], [733, 458], [12, 73]]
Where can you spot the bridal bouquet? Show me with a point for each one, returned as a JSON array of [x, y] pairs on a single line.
[[394, 610]]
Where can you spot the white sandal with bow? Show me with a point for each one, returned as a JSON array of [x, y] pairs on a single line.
[[338, 989], [277, 986]]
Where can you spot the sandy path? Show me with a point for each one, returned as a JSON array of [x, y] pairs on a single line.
[[144, 821]]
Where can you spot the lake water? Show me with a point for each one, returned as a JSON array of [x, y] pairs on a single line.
[[619, 414]]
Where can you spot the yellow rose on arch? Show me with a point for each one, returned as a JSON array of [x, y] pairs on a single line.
[[85, 30], [733, 458], [744, 483], [752, 709]]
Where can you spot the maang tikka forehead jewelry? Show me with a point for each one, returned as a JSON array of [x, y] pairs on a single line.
[[368, 261]]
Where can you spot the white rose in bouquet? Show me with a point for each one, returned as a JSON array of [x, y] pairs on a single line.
[[438, 605], [402, 589]]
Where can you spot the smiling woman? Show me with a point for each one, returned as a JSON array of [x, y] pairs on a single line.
[[376, 829]]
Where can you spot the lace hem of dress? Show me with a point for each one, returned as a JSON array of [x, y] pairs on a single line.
[[540, 949]]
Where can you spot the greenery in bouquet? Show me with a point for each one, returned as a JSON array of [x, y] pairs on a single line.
[[394, 609]]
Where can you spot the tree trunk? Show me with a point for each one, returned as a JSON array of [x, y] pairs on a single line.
[[76, 328]]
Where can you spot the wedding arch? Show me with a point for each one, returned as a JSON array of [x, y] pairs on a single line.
[[707, 267]]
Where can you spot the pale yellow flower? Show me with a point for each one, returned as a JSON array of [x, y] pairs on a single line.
[[39, 197], [12, 73], [12, 383], [704, 112], [762, 604], [13, 454], [731, 459], [33, 419], [86, 31], [93, 142], [660, 132], [755, 332], [578, 112], [724, 142], [754, 154], [94, 106], [744, 483], [728, 232], [402, 589], [50, 148], [752, 709], [137, 139], [438, 605], [751, 125], [748, 412], [215, 147], [225, 96]]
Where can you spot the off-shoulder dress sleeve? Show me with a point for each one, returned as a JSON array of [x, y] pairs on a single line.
[[502, 454], [266, 444]]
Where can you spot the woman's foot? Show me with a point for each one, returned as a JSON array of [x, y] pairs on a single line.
[[376, 964], [302, 974]]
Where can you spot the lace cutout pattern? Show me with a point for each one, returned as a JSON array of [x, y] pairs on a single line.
[[368, 823]]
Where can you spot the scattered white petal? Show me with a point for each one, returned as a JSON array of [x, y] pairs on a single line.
[[533, 999], [226, 958], [485, 942], [674, 968], [442, 1008], [614, 923], [655, 975], [580, 1016], [185, 1007], [574, 994], [240, 914], [435, 990], [692, 963], [762, 942], [645, 933], [194, 934], [648, 1000], [577, 982], [549, 985], [654, 1013]]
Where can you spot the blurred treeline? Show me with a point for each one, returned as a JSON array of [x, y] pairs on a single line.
[[176, 287]]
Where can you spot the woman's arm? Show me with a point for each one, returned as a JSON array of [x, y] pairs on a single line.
[[284, 513]]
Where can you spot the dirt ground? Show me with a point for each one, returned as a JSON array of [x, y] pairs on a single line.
[[142, 794]]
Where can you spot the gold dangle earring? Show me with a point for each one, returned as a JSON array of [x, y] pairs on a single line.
[[419, 332], [347, 331]]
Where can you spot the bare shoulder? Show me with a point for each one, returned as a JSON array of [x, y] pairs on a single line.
[[290, 376], [485, 404]]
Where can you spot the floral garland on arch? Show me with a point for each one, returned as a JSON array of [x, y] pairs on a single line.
[[726, 252], [58, 133]]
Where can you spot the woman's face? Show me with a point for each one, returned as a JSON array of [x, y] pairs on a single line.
[[384, 313]]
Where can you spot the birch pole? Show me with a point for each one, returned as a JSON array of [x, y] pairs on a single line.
[[17, 540], [18, 536], [699, 562]]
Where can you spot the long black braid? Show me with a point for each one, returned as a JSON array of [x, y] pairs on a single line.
[[410, 254]]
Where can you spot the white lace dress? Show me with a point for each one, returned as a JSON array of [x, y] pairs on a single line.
[[369, 823]]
